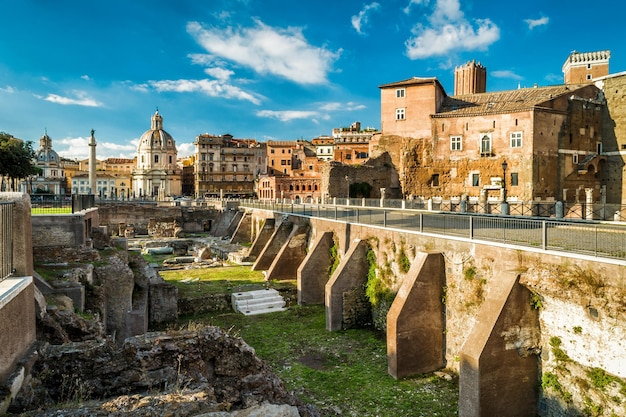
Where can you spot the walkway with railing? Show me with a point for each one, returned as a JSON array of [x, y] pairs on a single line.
[[584, 237], [6, 239]]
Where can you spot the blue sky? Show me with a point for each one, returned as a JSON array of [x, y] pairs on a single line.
[[268, 70]]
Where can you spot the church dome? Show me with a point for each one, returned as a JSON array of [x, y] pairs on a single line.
[[156, 139], [45, 155]]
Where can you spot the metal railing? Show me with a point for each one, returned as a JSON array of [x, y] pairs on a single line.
[[585, 237], [6, 239]]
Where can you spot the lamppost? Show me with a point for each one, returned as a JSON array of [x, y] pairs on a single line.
[[505, 205], [347, 190]]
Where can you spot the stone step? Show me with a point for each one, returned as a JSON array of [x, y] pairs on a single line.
[[257, 302]]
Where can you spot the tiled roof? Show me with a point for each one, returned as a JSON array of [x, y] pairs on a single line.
[[119, 161], [510, 101], [411, 81]]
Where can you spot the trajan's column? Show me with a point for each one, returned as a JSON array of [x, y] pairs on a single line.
[[92, 164]]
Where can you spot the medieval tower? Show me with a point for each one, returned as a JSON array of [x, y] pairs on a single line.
[[470, 78]]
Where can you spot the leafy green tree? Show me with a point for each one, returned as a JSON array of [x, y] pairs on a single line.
[[16, 159]]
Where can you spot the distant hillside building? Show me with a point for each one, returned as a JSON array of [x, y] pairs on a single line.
[[156, 174]]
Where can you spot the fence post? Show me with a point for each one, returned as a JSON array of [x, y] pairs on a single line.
[[384, 218], [471, 227], [544, 234]]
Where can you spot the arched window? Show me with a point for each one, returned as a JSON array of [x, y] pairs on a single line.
[[156, 159]]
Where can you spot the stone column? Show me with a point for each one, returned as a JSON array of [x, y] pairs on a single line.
[[588, 203]]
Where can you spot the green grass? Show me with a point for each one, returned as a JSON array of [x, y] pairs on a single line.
[[193, 283], [342, 373], [50, 210]]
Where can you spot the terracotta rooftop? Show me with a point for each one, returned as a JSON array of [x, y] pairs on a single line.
[[119, 161], [411, 81], [510, 101]]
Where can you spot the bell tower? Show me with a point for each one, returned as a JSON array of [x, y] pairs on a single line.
[[584, 67], [470, 78]]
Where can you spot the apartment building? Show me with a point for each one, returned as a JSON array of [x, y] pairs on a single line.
[[351, 144], [226, 166], [324, 147], [541, 143]]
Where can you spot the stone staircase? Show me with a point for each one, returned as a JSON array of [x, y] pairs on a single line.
[[257, 302]]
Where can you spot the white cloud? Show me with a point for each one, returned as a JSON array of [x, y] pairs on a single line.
[[81, 100], [8, 89], [185, 149], [78, 148], [335, 106], [407, 9], [448, 30], [359, 20], [202, 59], [533, 23], [507, 74], [287, 115], [221, 74], [281, 52], [85, 77], [212, 88], [143, 88]]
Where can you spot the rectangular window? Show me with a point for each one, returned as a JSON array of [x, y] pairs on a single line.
[[400, 114], [456, 143], [283, 162], [516, 140], [599, 147], [475, 180], [514, 179], [434, 180], [485, 145], [400, 93], [575, 158]]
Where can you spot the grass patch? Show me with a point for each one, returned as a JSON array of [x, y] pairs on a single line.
[[341, 373], [50, 210], [193, 283], [345, 370]]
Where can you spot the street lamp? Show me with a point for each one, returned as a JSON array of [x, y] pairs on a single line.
[[504, 166], [505, 205]]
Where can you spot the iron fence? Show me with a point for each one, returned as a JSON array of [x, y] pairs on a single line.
[[6, 240], [591, 238]]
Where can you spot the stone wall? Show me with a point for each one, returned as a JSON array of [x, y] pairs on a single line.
[[378, 172], [191, 219], [614, 139], [59, 230], [580, 301], [17, 322]]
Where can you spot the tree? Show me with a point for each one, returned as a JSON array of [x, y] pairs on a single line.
[[16, 158]]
